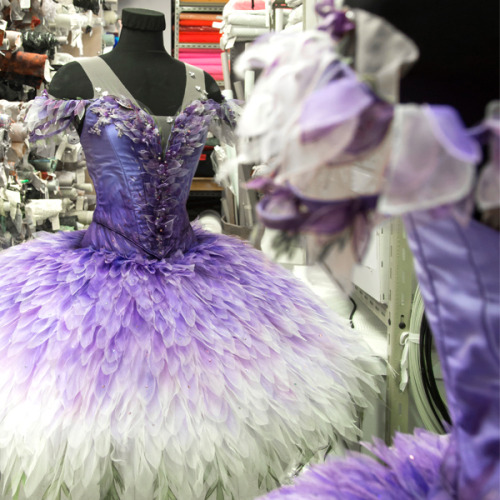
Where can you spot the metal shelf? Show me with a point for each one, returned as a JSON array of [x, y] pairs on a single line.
[[198, 46], [179, 8], [377, 308], [397, 288], [199, 8]]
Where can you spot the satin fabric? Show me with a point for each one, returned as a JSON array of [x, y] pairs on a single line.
[[458, 271]]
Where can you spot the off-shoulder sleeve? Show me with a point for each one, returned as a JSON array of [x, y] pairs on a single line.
[[225, 119], [47, 116]]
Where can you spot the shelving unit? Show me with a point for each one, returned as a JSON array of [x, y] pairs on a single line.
[[181, 7], [193, 7], [202, 187], [395, 313]]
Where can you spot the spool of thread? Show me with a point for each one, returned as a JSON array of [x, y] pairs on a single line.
[[66, 21], [66, 178], [53, 186], [84, 216], [86, 187], [211, 221], [70, 193], [110, 17], [108, 39], [14, 38]]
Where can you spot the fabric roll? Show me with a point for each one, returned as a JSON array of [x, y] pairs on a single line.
[[67, 21], [188, 53], [14, 38], [85, 216], [188, 19], [66, 178], [209, 60], [247, 5], [204, 64], [199, 29], [23, 63], [10, 107], [249, 19], [197, 23], [242, 31], [195, 16], [18, 132], [199, 37]]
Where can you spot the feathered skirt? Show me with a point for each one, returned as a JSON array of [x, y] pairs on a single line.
[[212, 373]]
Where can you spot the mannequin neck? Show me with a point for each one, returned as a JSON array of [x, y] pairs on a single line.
[[140, 41]]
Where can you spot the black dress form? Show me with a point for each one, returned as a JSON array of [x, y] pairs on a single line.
[[142, 64], [459, 51]]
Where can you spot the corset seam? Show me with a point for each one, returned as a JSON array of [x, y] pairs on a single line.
[[127, 238], [127, 185]]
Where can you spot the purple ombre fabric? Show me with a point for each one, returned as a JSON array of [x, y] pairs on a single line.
[[147, 359], [458, 269], [286, 209], [407, 471]]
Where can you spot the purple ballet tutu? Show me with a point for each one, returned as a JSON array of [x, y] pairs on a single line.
[[144, 358], [411, 469]]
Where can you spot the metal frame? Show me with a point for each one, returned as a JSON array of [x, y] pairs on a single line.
[[401, 290], [192, 8], [395, 314]]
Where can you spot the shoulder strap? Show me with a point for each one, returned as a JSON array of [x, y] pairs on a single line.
[[195, 85], [103, 78]]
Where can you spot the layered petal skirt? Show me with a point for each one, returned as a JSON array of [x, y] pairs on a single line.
[[210, 374]]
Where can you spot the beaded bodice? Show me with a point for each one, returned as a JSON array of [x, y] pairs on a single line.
[[141, 188]]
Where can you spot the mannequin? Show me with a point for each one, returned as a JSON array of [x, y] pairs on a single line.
[[140, 61]]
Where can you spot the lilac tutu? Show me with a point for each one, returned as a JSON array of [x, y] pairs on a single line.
[[144, 358], [411, 469]]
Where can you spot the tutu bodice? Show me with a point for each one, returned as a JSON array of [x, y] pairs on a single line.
[[141, 188], [140, 198]]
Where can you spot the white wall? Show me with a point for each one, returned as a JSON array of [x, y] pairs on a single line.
[[158, 5]]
